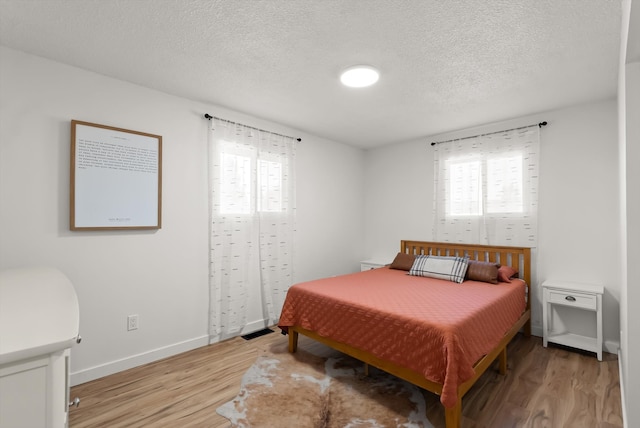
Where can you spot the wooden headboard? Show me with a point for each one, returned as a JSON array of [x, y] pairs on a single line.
[[517, 257]]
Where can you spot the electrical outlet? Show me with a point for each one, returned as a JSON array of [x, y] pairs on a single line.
[[132, 322]]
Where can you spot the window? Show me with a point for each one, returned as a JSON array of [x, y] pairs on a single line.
[[465, 191], [504, 185], [491, 186], [486, 189], [235, 184], [252, 226], [238, 183], [269, 186]]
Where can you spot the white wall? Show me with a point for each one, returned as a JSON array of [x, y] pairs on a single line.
[[578, 204], [629, 112], [631, 329], [160, 275], [330, 201]]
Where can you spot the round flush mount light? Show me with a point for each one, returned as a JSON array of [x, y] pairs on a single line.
[[359, 76]]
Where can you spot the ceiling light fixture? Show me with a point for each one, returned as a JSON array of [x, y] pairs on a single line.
[[359, 76]]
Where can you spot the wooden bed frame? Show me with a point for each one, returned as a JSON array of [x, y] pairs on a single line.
[[517, 257]]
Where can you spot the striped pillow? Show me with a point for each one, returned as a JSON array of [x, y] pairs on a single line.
[[440, 267]]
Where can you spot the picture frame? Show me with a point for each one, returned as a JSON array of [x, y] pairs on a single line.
[[116, 178]]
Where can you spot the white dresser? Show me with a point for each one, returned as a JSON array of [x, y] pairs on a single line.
[[39, 322]]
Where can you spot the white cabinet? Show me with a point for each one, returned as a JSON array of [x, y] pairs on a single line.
[[584, 297], [371, 264], [39, 320], [34, 392]]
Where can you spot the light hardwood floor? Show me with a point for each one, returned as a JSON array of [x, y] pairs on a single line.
[[544, 387]]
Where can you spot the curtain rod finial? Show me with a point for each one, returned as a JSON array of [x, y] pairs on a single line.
[[541, 124], [208, 116]]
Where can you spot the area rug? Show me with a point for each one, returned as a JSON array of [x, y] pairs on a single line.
[[306, 390]]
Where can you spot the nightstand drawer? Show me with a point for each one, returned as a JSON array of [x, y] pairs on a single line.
[[575, 299], [370, 264]]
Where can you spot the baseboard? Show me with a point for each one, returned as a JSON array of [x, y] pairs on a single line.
[[536, 330], [112, 367], [247, 329], [623, 401], [254, 326], [611, 347]]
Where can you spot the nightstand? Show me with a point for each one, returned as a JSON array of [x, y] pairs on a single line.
[[585, 297], [371, 264]]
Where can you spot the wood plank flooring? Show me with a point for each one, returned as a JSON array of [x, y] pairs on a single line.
[[544, 387]]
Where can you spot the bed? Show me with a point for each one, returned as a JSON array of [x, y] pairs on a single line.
[[437, 334]]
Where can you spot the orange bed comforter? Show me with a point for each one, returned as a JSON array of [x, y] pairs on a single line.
[[437, 328]]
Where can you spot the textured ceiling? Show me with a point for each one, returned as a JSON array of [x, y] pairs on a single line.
[[445, 65]]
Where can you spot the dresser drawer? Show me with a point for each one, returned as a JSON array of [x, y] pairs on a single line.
[[575, 299]]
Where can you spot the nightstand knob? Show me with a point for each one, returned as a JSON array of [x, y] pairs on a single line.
[[570, 298]]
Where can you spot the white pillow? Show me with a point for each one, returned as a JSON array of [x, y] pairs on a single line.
[[447, 268]]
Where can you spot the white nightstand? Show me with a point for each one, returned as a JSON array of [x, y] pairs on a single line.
[[576, 295], [371, 264]]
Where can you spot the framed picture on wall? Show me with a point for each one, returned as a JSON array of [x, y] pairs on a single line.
[[116, 178]]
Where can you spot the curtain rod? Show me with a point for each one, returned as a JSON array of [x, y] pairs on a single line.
[[209, 117], [539, 125]]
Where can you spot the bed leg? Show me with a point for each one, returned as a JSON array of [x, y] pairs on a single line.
[[366, 369], [527, 328], [453, 416], [293, 341], [502, 361]]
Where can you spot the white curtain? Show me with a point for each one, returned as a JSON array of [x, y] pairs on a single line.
[[486, 189], [252, 223]]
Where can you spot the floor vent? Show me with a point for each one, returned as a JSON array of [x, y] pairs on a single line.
[[257, 334]]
